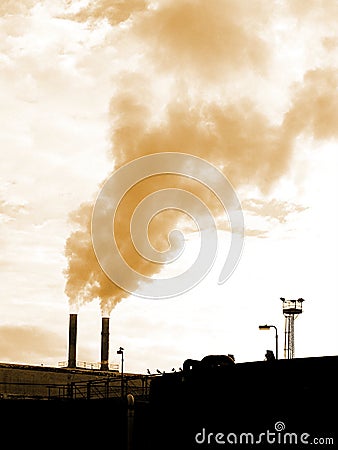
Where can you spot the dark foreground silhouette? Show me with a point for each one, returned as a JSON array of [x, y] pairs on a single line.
[[213, 403]]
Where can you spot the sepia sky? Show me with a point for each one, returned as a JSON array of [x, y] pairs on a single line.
[[251, 86]]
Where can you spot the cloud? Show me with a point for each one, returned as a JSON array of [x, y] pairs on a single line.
[[85, 278], [186, 76], [205, 39], [323, 11], [273, 209], [256, 233], [233, 135], [314, 109], [9, 7], [26, 343], [115, 11], [11, 210]]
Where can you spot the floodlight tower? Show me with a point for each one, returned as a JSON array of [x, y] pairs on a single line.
[[291, 310]]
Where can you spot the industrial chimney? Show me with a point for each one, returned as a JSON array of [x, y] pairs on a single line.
[[105, 344], [72, 340]]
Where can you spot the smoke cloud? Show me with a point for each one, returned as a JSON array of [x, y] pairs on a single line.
[[207, 40]]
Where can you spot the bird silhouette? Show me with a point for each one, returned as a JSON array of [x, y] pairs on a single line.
[[158, 371], [148, 371]]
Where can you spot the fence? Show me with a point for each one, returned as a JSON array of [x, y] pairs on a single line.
[[89, 365], [110, 387]]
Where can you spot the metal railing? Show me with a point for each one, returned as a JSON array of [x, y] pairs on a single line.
[[23, 390], [89, 365], [112, 387]]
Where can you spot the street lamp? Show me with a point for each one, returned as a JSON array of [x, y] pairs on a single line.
[[267, 327], [120, 352]]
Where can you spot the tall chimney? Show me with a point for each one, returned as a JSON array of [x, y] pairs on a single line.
[[105, 344], [72, 340]]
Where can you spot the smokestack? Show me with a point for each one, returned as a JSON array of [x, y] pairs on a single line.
[[72, 340], [105, 343]]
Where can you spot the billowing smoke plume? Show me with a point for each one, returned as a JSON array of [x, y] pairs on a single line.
[[198, 38]]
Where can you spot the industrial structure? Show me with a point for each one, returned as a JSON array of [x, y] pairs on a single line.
[[291, 310], [207, 400], [72, 379]]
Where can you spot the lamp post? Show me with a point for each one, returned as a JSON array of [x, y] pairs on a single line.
[[267, 327], [120, 352]]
